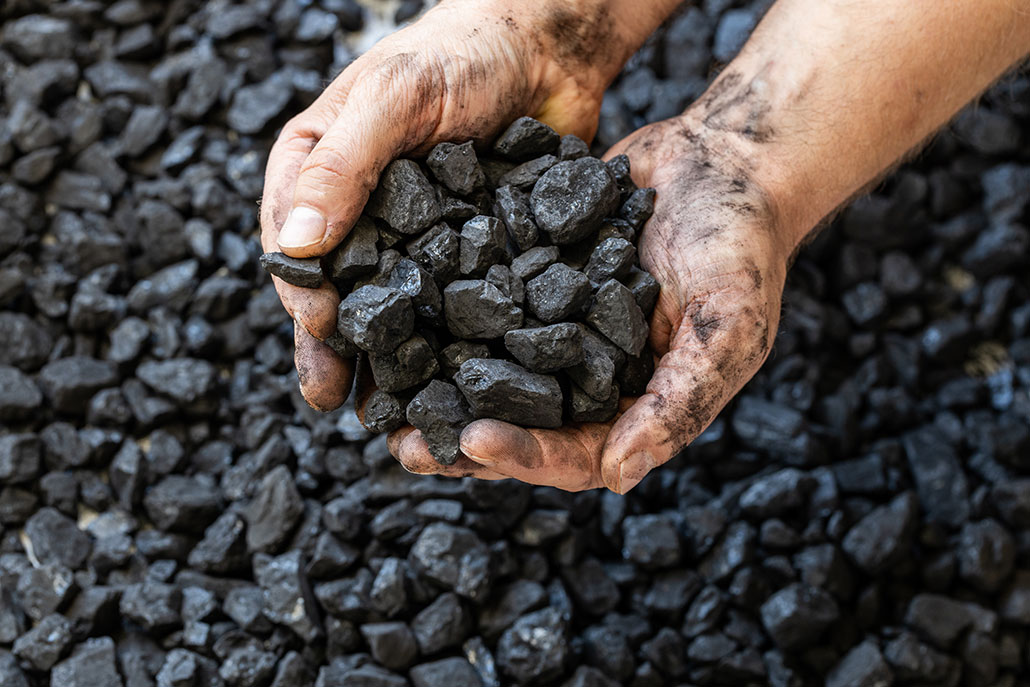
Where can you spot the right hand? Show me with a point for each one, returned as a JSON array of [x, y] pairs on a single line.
[[464, 71]]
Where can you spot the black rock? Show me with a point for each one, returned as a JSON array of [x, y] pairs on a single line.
[[524, 176], [639, 207], [245, 605], [391, 644], [56, 539], [483, 244], [534, 261], [384, 412], [651, 541], [506, 391], [452, 356], [507, 283], [42, 646], [534, 649], [583, 408], [612, 259], [546, 349], [356, 255], [91, 664], [24, 343], [376, 318], [595, 375], [247, 666], [453, 557], [447, 672], [288, 599], [884, 536], [255, 105], [559, 293], [572, 147], [615, 314], [941, 620], [570, 199], [44, 590], [441, 625], [185, 380], [182, 503], [152, 605], [410, 278], [19, 458], [526, 138], [912, 660], [986, 554], [404, 199], [456, 166], [862, 666], [440, 412], [940, 483], [512, 206], [306, 272], [439, 252], [411, 363], [797, 616], [476, 309], [274, 511], [70, 382]]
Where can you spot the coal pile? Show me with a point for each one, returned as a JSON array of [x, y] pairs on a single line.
[[173, 514], [548, 239]]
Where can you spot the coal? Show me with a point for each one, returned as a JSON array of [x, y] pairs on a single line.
[[615, 314], [558, 293], [512, 206], [534, 648], [410, 364], [356, 255], [883, 537], [509, 392], [798, 615], [376, 318], [306, 272], [404, 199], [572, 197], [526, 138], [483, 245], [456, 166], [546, 349], [440, 412], [384, 412], [476, 309]]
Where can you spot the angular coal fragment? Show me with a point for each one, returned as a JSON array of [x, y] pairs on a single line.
[[453, 557], [456, 166], [638, 208], [42, 646], [986, 554], [505, 280], [534, 649], [615, 314], [483, 244], [645, 289], [452, 356], [597, 371], [570, 199], [583, 408], [512, 206], [306, 272], [534, 261], [940, 482], [506, 391], [56, 539], [863, 666], [404, 198], [619, 168], [91, 664], [798, 615], [440, 412], [392, 644], [559, 293], [476, 309], [612, 259], [274, 511], [525, 175], [410, 278], [356, 255], [376, 318], [572, 147], [441, 625], [439, 252], [526, 138], [411, 363], [183, 503], [383, 412], [880, 539], [288, 598], [546, 349]]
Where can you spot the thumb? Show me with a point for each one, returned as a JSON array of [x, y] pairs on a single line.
[[380, 119]]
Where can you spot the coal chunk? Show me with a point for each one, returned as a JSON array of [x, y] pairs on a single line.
[[440, 412], [452, 672], [452, 356], [404, 199], [940, 482], [639, 207], [410, 364], [376, 318], [476, 309], [274, 511], [535, 648], [526, 138], [56, 539], [863, 666], [43, 645], [570, 199], [557, 294], [70, 382], [512, 206], [798, 615], [526, 175], [439, 252], [596, 373], [506, 391], [584, 408], [306, 272], [182, 503], [456, 166], [986, 554], [152, 605], [546, 349], [615, 314], [651, 541], [383, 412], [91, 664], [356, 255], [288, 598], [441, 625], [483, 244], [255, 105], [453, 557], [534, 261], [391, 644], [612, 259], [412, 279], [880, 539]]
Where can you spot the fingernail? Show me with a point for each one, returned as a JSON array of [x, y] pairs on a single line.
[[302, 228], [485, 462], [634, 469]]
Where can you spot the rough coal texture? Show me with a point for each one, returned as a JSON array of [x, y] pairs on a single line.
[[173, 514]]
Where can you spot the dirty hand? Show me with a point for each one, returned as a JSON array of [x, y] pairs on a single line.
[[716, 247], [464, 71]]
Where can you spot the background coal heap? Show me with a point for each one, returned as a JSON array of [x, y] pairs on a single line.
[[173, 514]]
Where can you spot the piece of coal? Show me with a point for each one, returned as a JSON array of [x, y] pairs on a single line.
[[376, 318], [456, 166], [572, 147], [612, 259], [452, 356], [559, 293], [615, 314], [512, 206], [356, 255], [546, 349], [526, 175], [411, 363], [306, 272], [534, 261], [383, 412], [483, 244], [504, 279], [410, 278], [526, 138], [584, 408], [404, 198], [343, 346], [572, 198], [645, 289], [620, 169], [476, 309], [440, 412], [506, 391], [439, 252], [638, 208]]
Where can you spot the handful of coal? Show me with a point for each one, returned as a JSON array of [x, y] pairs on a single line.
[[507, 287]]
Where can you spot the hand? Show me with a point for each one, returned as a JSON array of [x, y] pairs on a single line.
[[464, 71], [716, 246]]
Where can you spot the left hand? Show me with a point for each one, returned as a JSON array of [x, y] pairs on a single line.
[[717, 247]]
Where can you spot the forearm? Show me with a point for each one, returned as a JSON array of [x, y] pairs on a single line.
[[828, 94]]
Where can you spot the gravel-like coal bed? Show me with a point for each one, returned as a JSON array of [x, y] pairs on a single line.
[[172, 514]]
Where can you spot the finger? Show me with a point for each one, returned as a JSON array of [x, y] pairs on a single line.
[[325, 378], [413, 453], [567, 458], [709, 360], [389, 109], [313, 309]]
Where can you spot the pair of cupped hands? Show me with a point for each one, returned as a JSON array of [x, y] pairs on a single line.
[[463, 72]]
